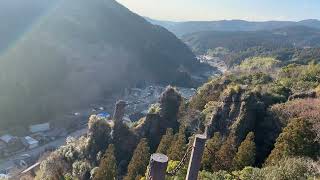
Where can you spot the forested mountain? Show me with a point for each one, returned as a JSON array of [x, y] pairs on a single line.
[[288, 37], [261, 121], [80, 50], [289, 43], [183, 28]]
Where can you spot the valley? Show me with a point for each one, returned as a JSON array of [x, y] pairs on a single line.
[[74, 124], [95, 90]]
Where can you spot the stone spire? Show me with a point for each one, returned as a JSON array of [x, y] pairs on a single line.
[[119, 111]]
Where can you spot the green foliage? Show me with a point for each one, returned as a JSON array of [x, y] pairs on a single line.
[[170, 101], [249, 173], [154, 109], [255, 78], [181, 174], [246, 154], [317, 90], [209, 108], [291, 169], [300, 77], [98, 135], [108, 168], [286, 169], [139, 161], [68, 176], [231, 89], [297, 139], [123, 151], [166, 116], [166, 142], [53, 168], [210, 91], [178, 146], [227, 152], [219, 175], [259, 64], [210, 161], [81, 169]]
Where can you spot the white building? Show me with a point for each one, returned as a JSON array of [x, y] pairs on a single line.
[[6, 138], [30, 142], [39, 127]]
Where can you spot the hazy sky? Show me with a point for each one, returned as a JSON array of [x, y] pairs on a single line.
[[258, 10]]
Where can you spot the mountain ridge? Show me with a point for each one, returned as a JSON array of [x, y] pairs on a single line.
[[187, 27], [80, 52]]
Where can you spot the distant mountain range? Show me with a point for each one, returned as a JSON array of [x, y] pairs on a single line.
[[76, 51], [183, 28], [236, 41]]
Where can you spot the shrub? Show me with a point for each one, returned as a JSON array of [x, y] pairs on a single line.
[[81, 169], [297, 139], [220, 175], [291, 169], [98, 136], [180, 174], [300, 77], [259, 64]]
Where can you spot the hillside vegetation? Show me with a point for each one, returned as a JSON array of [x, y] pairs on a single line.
[[261, 124], [294, 43], [81, 51]]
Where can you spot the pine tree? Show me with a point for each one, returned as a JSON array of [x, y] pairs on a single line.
[[125, 141], [226, 153], [246, 154], [209, 158], [297, 139], [108, 168], [139, 161], [165, 142], [178, 146]]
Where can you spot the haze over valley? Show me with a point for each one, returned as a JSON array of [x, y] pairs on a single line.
[[90, 89]]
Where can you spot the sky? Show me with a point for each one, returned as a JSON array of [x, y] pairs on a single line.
[[253, 10]]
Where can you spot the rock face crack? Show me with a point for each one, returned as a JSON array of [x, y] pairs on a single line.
[[237, 114]]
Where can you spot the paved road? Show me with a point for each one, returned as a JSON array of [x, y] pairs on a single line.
[[36, 151]]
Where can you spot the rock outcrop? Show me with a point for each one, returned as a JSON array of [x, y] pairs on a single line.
[[303, 95]]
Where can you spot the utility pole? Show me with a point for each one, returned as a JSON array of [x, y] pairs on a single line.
[[196, 156], [158, 166]]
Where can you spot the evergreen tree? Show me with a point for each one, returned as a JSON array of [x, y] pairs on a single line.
[[170, 102], [139, 162], [226, 153], [108, 168], [165, 142], [297, 139], [178, 146], [98, 136], [246, 154], [209, 158], [125, 141]]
